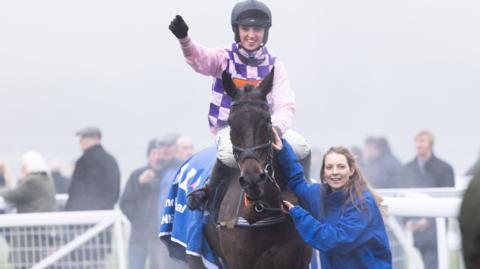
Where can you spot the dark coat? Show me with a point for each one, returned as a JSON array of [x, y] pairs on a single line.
[[95, 182], [62, 183], [142, 202], [35, 193], [139, 203], [382, 171], [437, 173], [470, 224]]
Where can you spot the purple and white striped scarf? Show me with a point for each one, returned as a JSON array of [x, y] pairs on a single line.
[[220, 104]]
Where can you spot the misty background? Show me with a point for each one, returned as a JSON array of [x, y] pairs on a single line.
[[358, 68]]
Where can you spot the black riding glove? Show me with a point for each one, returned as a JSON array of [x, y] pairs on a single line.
[[178, 27]]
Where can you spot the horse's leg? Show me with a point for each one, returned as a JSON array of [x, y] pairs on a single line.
[[195, 262]]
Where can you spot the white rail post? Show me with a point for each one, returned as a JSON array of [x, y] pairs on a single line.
[[442, 246], [122, 259]]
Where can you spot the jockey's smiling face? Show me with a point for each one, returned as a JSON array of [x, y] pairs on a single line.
[[251, 37], [337, 172]]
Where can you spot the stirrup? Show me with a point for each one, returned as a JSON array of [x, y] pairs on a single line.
[[197, 199]]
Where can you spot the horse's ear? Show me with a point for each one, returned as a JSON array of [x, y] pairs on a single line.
[[267, 83], [228, 84]]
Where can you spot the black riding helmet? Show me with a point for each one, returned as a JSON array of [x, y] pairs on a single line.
[[251, 13]]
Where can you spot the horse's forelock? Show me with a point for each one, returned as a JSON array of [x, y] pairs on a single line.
[[248, 88]]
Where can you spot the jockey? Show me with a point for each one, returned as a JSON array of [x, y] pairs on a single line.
[[248, 61]]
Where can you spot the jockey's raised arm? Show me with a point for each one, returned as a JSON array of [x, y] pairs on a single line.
[[248, 61]]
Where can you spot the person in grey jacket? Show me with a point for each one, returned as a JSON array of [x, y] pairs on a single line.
[[35, 191]]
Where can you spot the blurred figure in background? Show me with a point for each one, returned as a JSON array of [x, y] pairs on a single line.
[[381, 167], [140, 201], [5, 181], [96, 178], [185, 148], [62, 183], [35, 191], [95, 185], [425, 171], [358, 154], [5, 178], [470, 224]]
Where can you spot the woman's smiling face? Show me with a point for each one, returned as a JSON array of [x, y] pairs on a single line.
[[336, 172]]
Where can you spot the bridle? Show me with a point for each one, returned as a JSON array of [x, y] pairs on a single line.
[[241, 154]]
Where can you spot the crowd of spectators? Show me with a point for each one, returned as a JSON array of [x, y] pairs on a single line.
[[95, 184]]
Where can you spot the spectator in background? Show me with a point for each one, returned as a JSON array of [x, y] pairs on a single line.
[[185, 148], [62, 183], [96, 178], [358, 154], [470, 224], [425, 171], [35, 191], [5, 178], [95, 185], [5, 181], [474, 169], [381, 167], [140, 201]]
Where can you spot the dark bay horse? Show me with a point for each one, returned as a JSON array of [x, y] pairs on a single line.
[[249, 229]]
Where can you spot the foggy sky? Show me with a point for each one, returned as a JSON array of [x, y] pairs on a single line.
[[358, 68]]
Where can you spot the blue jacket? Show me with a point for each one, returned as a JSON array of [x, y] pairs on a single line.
[[347, 238]]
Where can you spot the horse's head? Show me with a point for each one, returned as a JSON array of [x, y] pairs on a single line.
[[251, 133]]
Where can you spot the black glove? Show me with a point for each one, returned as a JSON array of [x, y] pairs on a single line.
[[178, 27]]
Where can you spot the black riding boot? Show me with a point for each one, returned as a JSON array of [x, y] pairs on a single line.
[[197, 199]]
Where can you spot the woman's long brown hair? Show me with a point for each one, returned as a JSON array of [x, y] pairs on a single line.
[[357, 183]]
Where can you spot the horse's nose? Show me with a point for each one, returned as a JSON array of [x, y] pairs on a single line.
[[242, 181]]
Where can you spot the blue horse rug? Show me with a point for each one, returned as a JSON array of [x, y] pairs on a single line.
[[179, 224]]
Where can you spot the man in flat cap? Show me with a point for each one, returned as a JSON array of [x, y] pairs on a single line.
[[96, 177]]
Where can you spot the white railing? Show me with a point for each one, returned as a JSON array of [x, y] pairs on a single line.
[[70, 239], [443, 204], [77, 233]]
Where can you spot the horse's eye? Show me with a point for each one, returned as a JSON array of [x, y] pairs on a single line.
[[262, 177]]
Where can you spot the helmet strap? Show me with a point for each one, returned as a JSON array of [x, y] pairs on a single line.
[[249, 57]]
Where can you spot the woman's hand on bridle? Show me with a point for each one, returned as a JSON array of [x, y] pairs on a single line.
[[277, 141], [286, 206]]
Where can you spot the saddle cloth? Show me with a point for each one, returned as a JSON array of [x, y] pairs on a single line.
[[180, 225]]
